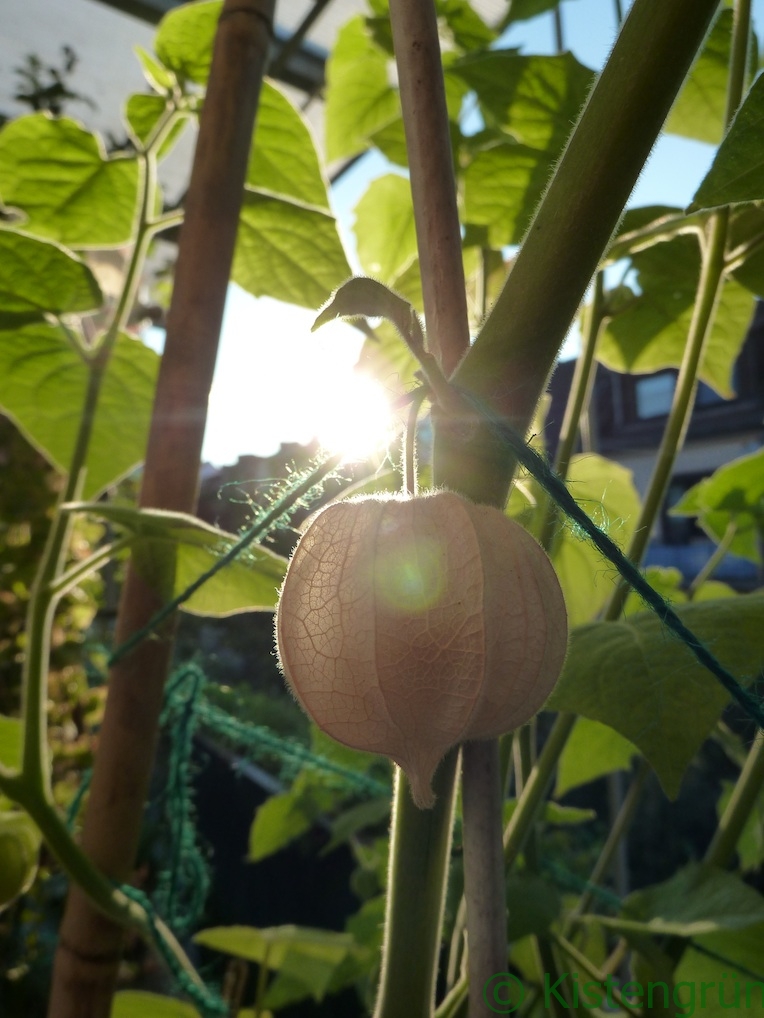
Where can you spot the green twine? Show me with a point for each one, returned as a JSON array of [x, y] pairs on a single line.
[[555, 487], [182, 884], [262, 526], [290, 751], [207, 1001]]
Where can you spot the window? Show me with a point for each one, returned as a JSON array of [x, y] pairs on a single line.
[[654, 395]]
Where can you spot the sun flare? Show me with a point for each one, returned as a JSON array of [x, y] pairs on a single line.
[[358, 422]]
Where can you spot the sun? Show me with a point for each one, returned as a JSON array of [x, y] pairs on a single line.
[[355, 419]]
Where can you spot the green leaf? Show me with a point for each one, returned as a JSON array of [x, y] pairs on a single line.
[[185, 37], [172, 550], [700, 108], [730, 983], [592, 751], [523, 10], [606, 492], [279, 820], [637, 678], [39, 277], [365, 814], [359, 97], [11, 740], [536, 99], [668, 583], [553, 813], [384, 228], [284, 160], [533, 904], [737, 172], [141, 1004], [750, 845], [288, 251], [732, 494], [59, 175], [361, 297], [272, 944], [502, 187], [42, 388], [159, 77], [746, 228], [651, 332], [467, 28], [698, 899], [142, 113]]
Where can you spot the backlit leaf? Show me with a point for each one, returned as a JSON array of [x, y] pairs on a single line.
[[284, 160], [651, 332], [185, 37], [502, 187], [173, 550], [700, 108], [592, 751], [288, 251], [732, 494], [141, 1004], [384, 228], [39, 277], [606, 492], [69, 190], [42, 388], [697, 900], [359, 97], [536, 99]]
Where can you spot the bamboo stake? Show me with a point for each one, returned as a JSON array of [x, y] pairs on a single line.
[[90, 945]]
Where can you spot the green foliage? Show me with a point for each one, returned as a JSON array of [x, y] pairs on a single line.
[[638, 679], [38, 277], [733, 496], [171, 550], [650, 332], [140, 1003], [75, 193], [592, 751], [43, 384], [737, 172]]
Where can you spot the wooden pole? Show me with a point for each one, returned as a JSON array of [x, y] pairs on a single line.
[[90, 945]]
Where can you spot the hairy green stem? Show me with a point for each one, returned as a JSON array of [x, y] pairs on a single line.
[[44, 595], [536, 787], [747, 790], [618, 830], [709, 290], [714, 560], [420, 845], [66, 581], [584, 963]]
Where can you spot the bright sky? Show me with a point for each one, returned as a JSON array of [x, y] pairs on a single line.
[[276, 381]]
